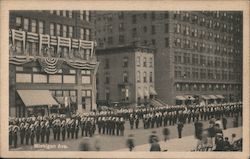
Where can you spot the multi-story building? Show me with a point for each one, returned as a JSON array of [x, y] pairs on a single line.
[[198, 53], [52, 63], [125, 75]]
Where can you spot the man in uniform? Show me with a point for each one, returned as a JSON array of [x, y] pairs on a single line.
[[47, 131], [43, 131], [32, 133], [37, 131], [10, 134], [27, 133], [131, 121], [136, 121], [63, 128], [77, 127], [15, 131], [22, 132]]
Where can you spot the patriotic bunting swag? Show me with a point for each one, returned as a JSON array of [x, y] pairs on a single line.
[[50, 65]]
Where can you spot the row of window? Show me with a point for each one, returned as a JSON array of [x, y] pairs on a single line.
[[44, 78], [206, 87], [83, 15], [60, 71], [145, 77], [204, 34], [194, 59], [206, 22], [32, 25], [63, 93], [205, 47], [125, 63], [205, 74]]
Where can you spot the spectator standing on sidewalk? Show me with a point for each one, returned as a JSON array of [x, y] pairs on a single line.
[[130, 142], [166, 133], [180, 127], [155, 146]]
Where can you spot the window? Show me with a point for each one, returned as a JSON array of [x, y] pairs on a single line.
[[110, 40], [138, 76], [70, 14], [121, 15], [81, 15], [121, 26], [166, 42], [70, 31], [64, 31], [125, 77], [26, 24], [107, 78], [166, 28], [153, 42], [87, 34], [64, 13], [121, 39], [52, 29], [153, 15], [106, 63], [144, 62], [58, 30], [144, 77], [145, 29], [23, 78], [134, 19], [125, 62], [145, 15], [87, 16], [69, 79], [58, 12], [86, 79], [151, 62], [82, 33], [107, 94], [41, 27], [138, 61], [134, 32], [152, 29], [18, 21], [151, 77]]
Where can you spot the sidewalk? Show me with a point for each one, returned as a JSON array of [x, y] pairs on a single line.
[[186, 143]]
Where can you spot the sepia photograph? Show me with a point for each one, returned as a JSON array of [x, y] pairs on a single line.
[[82, 80], [125, 79]]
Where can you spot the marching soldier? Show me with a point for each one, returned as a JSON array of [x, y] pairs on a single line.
[[10, 134], [15, 130], [72, 128], [47, 131], [22, 132], [82, 125], [37, 131], [63, 128], [43, 131], [27, 133], [122, 122], [77, 129], [54, 127], [136, 121], [32, 134], [131, 121], [68, 125]]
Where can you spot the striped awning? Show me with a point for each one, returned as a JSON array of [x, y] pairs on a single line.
[[180, 98], [220, 96], [146, 93], [212, 97], [205, 97], [189, 97], [139, 93], [152, 91], [36, 97]]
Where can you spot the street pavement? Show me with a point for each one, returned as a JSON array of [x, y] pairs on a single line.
[[141, 135], [186, 143]]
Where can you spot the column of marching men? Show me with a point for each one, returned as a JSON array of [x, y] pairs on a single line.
[[38, 129], [170, 115]]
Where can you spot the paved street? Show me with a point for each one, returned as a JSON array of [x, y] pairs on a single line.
[[111, 143]]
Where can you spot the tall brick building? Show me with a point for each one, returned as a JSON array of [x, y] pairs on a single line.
[[52, 62], [198, 55], [125, 75]]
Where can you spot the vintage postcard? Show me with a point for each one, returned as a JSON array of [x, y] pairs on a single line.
[[125, 79]]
